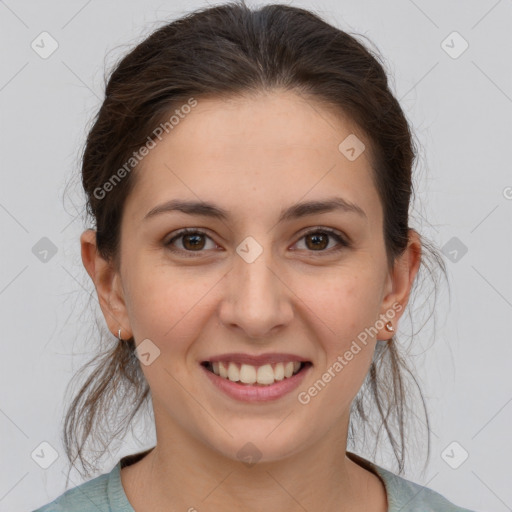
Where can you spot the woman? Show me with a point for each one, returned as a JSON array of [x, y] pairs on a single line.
[[249, 177]]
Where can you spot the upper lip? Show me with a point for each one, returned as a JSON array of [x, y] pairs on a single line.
[[258, 360]]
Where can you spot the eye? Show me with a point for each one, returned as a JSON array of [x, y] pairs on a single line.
[[192, 240], [316, 240]]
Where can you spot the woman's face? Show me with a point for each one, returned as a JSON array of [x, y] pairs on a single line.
[[255, 282]]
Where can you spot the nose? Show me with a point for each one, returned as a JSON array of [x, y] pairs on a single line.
[[257, 300]]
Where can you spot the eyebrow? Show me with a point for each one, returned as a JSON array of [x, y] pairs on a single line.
[[295, 211]]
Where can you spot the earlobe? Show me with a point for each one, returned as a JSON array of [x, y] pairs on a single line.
[[404, 273], [106, 282]]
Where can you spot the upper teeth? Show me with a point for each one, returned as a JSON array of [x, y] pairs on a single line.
[[249, 374]]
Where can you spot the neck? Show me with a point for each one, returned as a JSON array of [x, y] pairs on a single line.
[[188, 475]]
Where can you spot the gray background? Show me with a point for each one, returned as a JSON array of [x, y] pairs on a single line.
[[460, 109]]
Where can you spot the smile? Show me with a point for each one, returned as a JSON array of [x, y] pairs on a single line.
[[232, 386]]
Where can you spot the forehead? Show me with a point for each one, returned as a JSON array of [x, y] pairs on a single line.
[[262, 151]]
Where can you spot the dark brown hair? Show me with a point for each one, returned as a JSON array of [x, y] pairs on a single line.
[[222, 52]]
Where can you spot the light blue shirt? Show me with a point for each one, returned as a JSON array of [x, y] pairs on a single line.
[[105, 493]]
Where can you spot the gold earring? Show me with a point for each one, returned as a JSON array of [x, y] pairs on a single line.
[[119, 335], [389, 327]]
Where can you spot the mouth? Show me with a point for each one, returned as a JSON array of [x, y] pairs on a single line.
[[250, 375]]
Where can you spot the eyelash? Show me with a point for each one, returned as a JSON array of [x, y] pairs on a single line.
[[343, 243]]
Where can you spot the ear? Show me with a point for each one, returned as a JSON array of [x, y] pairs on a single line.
[[108, 286], [399, 283]]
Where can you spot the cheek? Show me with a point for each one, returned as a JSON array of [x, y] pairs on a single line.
[[345, 312], [166, 305], [346, 306], [344, 316]]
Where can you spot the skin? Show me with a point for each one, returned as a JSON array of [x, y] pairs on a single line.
[[253, 157]]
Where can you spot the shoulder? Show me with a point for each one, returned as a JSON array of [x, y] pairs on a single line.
[[408, 496], [104, 493], [92, 495]]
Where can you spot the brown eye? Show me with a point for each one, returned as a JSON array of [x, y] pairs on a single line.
[[316, 241], [189, 241], [193, 241]]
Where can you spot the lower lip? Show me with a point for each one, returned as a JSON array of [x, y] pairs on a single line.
[[250, 393]]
